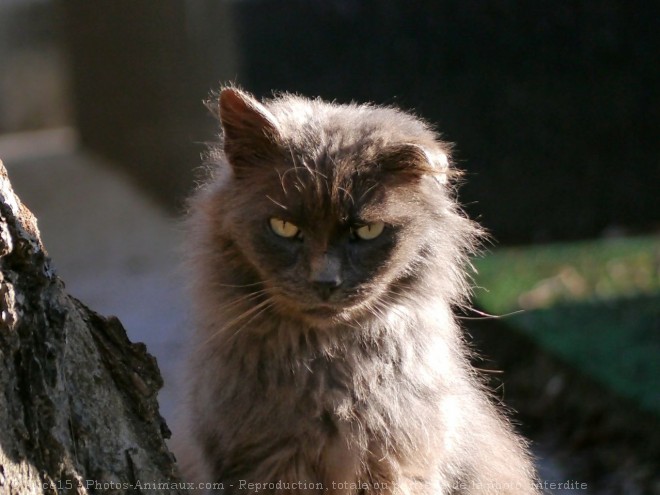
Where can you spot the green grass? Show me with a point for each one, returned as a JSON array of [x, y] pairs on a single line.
[[542, 276], [595, 304], [617, 342]]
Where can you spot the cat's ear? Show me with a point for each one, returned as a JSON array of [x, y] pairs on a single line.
[[416, 160], [250, 131]]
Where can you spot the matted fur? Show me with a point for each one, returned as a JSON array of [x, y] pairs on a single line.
[[366, 389]]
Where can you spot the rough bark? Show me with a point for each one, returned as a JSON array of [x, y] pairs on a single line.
[[78, 409]]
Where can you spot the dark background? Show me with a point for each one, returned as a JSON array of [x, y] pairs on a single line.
[[553, 105]]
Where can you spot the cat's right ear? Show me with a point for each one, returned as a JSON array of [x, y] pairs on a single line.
[[250, 131]]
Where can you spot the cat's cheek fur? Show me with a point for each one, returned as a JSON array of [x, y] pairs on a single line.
[[277, 254]]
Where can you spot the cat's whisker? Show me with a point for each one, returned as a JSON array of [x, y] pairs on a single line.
[[347, 192], [368, 190], [392, 305], [277, 203], [295, 170], [242, 299], [245, 314], [265, 308], [315, 172], [377, 312], [238, 286], [291, 170], [401, 293], [281, 177], [486, 316]]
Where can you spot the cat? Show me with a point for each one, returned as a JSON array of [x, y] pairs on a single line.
[[327, 252]]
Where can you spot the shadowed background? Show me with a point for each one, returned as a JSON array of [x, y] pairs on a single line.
[[554, 106]]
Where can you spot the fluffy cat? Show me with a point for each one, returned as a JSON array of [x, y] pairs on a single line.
[[327, 252]]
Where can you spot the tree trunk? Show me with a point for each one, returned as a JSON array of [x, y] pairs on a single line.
[[78, 409]]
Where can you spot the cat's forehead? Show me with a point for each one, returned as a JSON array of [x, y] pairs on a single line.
[[331, 169], [331, 191], [327, 162], [324, 202], [342, 144], [316, 126]]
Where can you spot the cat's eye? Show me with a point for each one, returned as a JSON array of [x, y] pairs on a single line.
[[370, 231], [284, 228]]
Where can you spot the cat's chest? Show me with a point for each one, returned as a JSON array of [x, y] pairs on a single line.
[[340, 380]]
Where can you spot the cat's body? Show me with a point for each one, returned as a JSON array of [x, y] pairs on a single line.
[[327, 253]]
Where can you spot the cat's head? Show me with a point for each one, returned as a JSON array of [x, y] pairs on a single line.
[[336, 210]]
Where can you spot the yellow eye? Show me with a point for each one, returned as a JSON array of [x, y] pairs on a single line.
[[283, 228], [370, 231]]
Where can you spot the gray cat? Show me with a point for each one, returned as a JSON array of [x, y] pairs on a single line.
[[327, 252]]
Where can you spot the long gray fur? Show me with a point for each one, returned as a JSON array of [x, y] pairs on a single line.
[[370, 391]]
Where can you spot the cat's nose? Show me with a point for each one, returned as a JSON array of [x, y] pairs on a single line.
[[325, 288], [325, 275]]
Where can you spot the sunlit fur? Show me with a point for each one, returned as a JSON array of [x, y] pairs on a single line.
[[367, 389]]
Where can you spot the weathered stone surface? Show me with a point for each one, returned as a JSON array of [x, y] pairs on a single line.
[[78, 408]]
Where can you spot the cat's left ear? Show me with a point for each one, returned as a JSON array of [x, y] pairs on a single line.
[[250, 130], [417, 160]]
